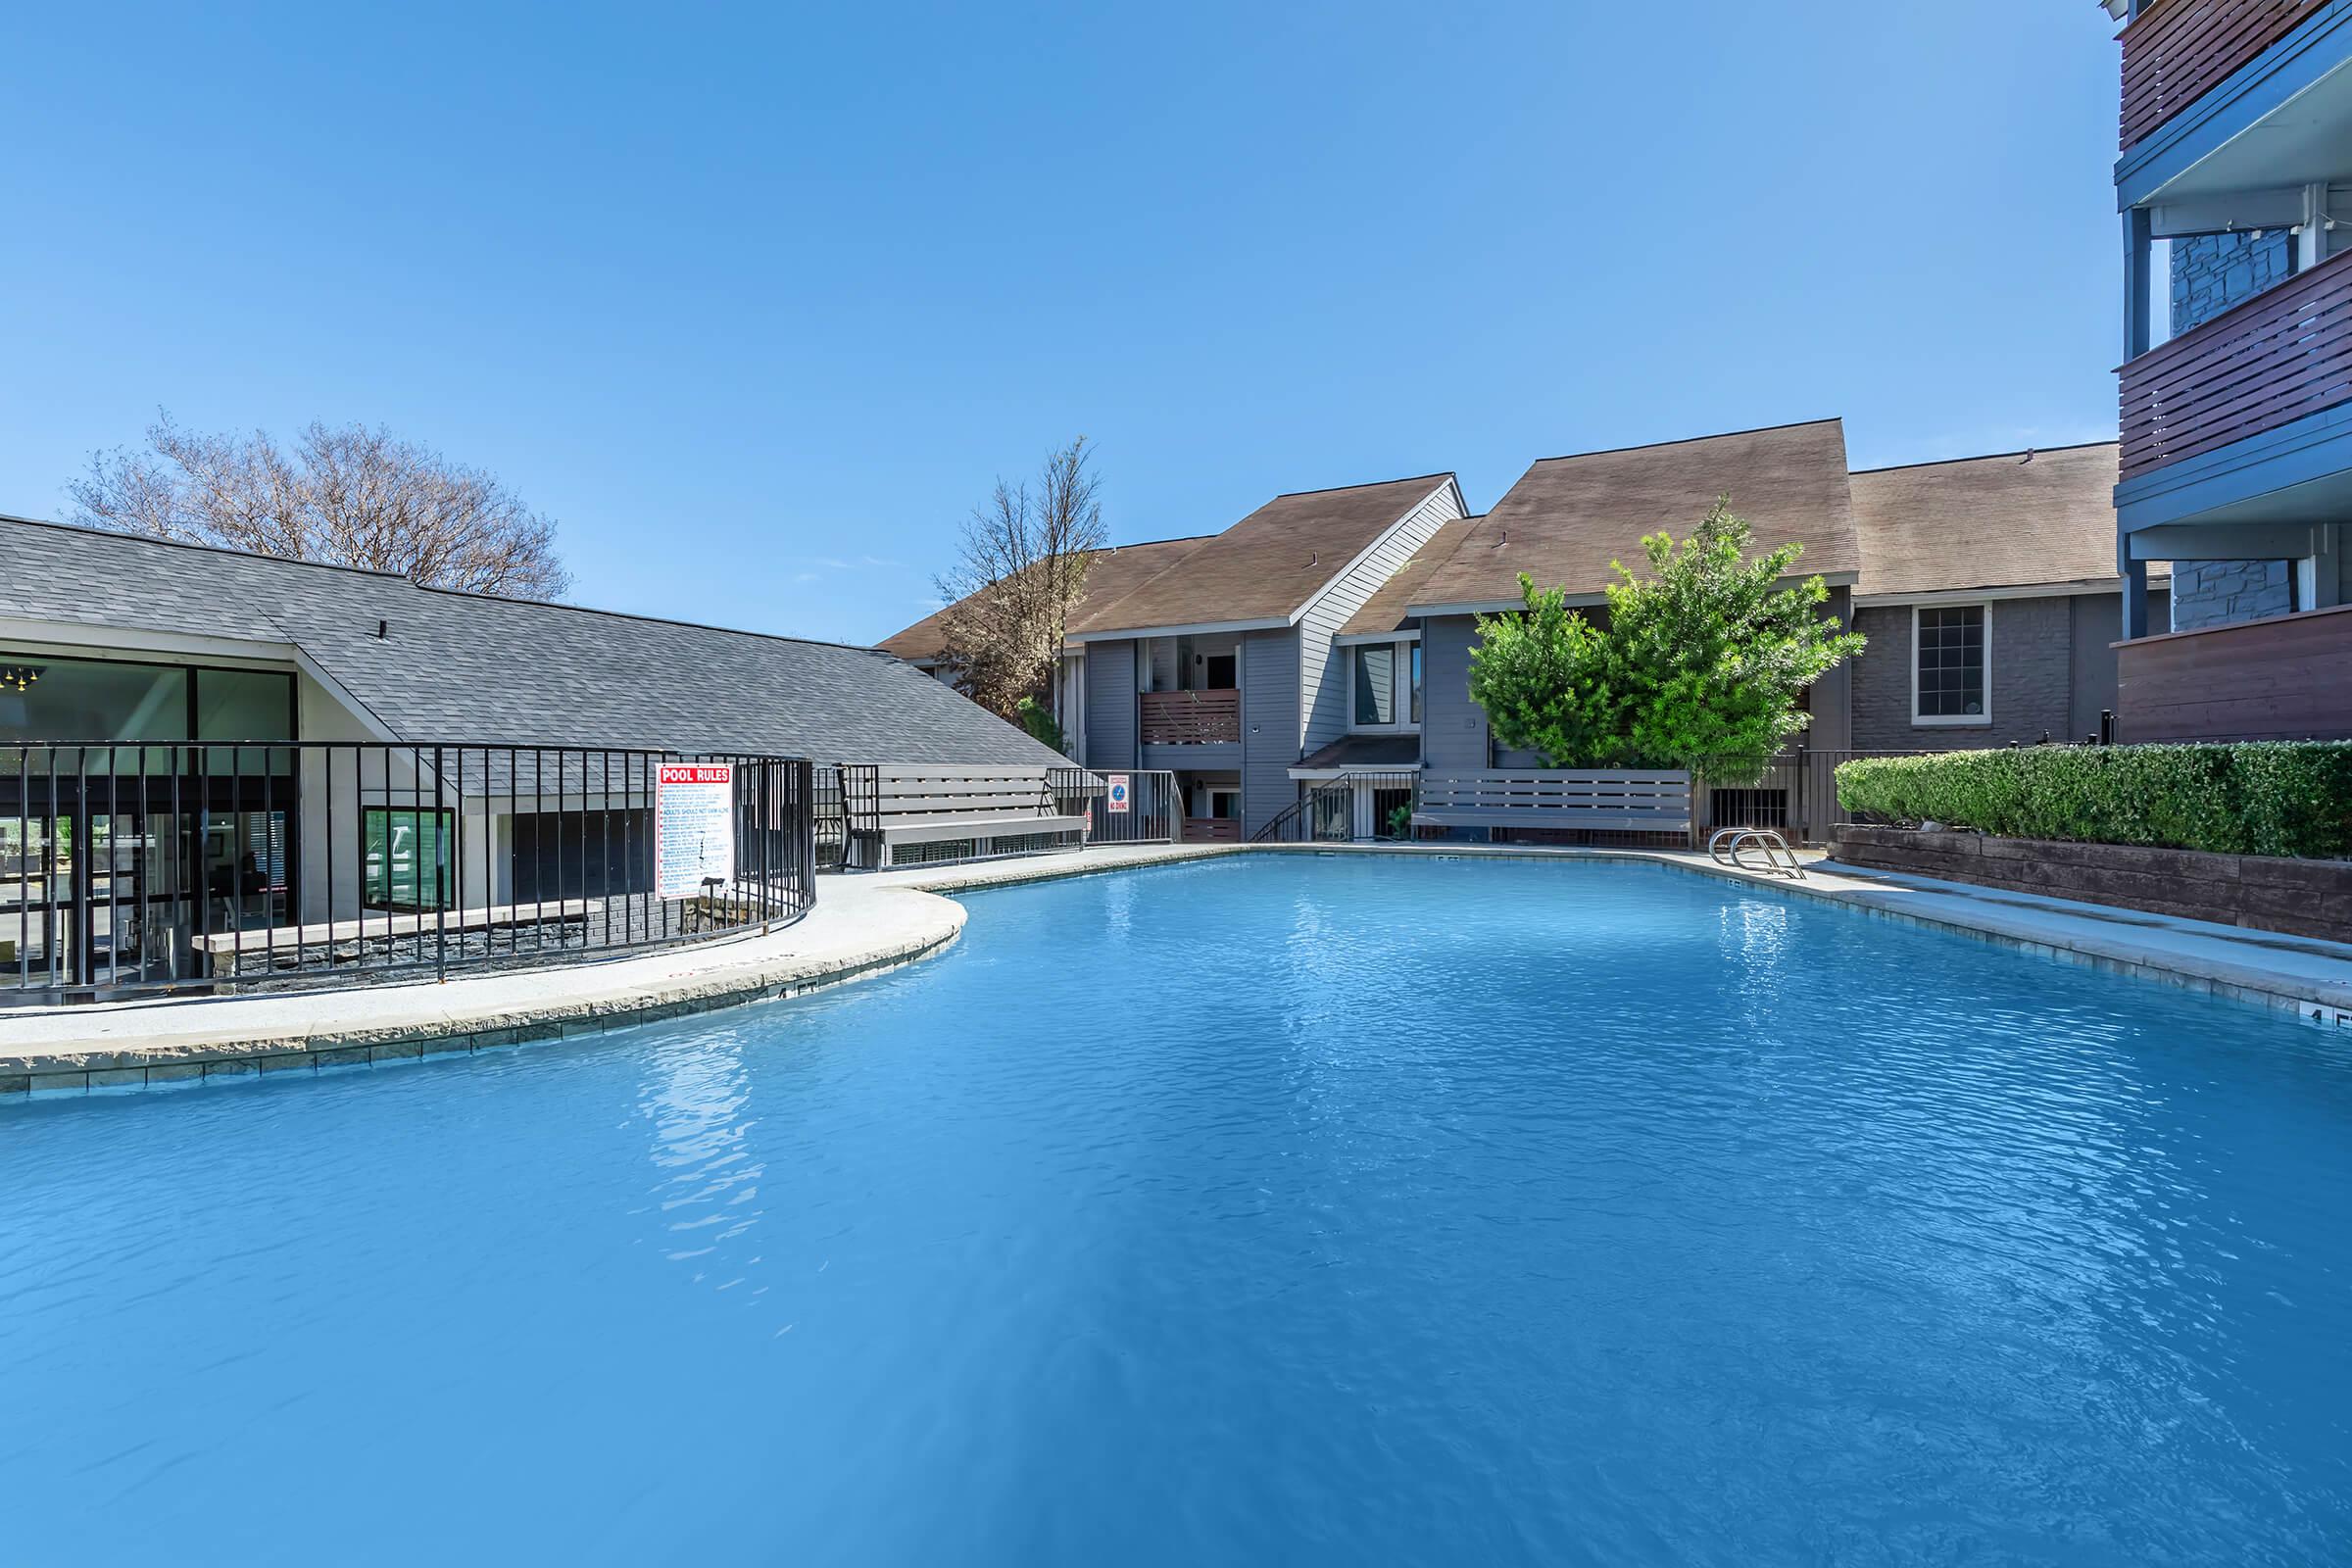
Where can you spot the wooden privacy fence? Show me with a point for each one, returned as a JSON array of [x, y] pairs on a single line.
[[1607, 800]]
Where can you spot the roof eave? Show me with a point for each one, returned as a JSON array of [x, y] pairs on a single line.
[[1112, 634]]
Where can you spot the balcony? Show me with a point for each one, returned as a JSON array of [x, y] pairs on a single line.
[[2280, 357], [2289, 677], [2176, 51], [1192, 718]]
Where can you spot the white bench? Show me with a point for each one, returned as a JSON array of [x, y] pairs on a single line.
[[1604, 800], [996, 810]]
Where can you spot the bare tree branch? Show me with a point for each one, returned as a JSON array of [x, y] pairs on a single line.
[[1021, 563], [347, 495]]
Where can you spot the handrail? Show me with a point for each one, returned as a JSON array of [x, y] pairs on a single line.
[[1726, 845], [1344, 784]]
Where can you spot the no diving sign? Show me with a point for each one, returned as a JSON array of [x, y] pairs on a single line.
[[1118, 793]]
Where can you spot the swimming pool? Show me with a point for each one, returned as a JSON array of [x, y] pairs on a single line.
[[1270, 1210]]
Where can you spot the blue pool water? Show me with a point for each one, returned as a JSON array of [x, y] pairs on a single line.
[[1340, 1211]]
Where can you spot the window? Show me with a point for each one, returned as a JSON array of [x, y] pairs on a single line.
[[402, 863], [244, 704], [88, 699], [1376, 672], [1376, 683], [1951, 665], [43, 698]]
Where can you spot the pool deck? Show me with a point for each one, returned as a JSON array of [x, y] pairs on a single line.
[[869, 923]]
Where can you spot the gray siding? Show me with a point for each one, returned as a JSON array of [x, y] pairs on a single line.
[[2033, 683], [1270, 725], [1831, 700], [1323, 679], [1111, 708], [2098, 622], [1453, 728]]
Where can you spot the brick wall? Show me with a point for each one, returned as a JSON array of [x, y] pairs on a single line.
[[2033, 679]]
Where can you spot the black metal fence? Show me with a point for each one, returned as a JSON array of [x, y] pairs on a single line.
[[1797, 793], [129, 867], [1355, 807], [1152, 811]]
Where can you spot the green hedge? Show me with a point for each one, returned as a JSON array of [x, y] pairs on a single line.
[[2258, 798]]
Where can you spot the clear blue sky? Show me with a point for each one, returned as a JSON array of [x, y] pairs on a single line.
[[758, 302]]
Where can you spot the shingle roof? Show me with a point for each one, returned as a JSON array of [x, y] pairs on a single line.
[[1111, 573], [465, 667], [1385, 610], [1567, 518], [1994, 521], [1267, 565]]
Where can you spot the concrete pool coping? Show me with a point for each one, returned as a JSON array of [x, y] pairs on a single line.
[[869, 923]]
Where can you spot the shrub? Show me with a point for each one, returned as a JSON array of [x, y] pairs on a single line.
[[1701, 660], [1038, 720], [2255, 797]]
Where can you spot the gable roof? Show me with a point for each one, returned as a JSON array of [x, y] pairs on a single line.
[[1112, 572], [1386, 610], [469, 667], [1567, 518], [1268, 567], [1994, 521]]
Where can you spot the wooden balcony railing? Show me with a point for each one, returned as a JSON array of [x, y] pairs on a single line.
[[2281, 355], [2286, 678], [1192, 718], [2176, 51]]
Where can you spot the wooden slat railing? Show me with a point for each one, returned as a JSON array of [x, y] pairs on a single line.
[[2176, 51], [1211, 830], [1192, 718], [2281, 355]]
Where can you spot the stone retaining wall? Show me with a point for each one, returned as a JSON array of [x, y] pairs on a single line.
[[2304, 898]]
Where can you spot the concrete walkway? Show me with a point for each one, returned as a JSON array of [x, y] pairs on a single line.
[[865, 924]]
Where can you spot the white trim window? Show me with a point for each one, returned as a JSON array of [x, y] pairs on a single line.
[[1384, 686], [1951, 664]]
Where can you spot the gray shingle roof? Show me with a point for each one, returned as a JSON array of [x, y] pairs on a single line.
[[466, 668]]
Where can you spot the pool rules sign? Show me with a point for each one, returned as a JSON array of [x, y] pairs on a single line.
[[694, 827]]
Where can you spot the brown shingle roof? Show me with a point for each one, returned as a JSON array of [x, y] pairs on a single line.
[[1385, 610], [1987, 522], [1567, 518], [1267, 565], [1111, 573]]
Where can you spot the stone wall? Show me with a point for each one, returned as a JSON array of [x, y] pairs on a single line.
[[2211, 272], [2304, 898], [2219, 593]]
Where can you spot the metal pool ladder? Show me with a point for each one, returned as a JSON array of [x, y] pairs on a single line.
[[1727, 844]]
